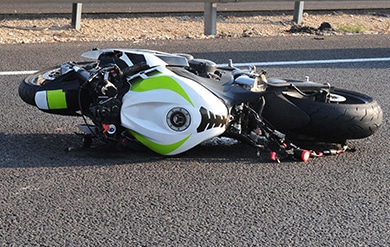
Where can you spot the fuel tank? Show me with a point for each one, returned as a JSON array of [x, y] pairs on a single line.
[[170, 114]]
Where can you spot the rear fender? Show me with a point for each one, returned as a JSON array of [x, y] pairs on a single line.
[[282, 113]]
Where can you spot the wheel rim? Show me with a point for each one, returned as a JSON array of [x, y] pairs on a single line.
[[336, 98], [351, 97], [41, 78]]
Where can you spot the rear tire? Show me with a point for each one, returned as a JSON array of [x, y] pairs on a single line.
[[358, 117]]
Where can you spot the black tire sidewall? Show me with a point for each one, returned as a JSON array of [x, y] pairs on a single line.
[[339, 122], [27, 90]]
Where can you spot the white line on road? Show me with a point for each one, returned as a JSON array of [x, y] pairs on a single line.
[[308, 62], [26, 72], [276, 63]]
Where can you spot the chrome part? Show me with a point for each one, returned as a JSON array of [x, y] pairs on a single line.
[[52, 74], [335, 98]]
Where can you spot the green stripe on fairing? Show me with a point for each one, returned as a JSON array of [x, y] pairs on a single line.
[[56, 99], [161, 82], [159, 148]]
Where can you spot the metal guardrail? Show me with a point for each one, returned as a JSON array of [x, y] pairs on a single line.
[[210, 8]]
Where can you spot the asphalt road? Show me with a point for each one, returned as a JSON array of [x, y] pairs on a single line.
[[210, 196]]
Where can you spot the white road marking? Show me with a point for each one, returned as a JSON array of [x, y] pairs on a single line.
[[308, 62], [276, 63], [25, 72]]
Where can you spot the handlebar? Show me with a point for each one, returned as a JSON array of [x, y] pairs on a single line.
[[83, 74], [103, 86]]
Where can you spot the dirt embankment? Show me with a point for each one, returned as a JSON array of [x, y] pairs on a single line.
[[120, 27]]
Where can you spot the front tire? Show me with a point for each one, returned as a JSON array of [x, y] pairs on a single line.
[[29, 86], [359, 116]]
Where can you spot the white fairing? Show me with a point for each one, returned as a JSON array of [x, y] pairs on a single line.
[[41, 100], [171, 114], [150, 57]]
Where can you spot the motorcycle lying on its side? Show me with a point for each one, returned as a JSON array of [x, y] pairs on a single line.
[[172, 102]]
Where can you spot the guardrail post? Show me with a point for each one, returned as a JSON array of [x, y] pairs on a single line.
[[210, 18], [298, 11], [76, 15]]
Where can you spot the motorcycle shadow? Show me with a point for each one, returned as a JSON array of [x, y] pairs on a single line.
[[64, 150]]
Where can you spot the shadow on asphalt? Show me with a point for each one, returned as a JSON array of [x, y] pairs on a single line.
[[64, 150]]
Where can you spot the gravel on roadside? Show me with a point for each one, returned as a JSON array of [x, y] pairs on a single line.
[[17, 29]]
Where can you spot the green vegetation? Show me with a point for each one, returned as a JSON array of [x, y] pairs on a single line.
[[350, 28]]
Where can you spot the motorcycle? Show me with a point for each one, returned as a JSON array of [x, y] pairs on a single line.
[[171, 103]]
